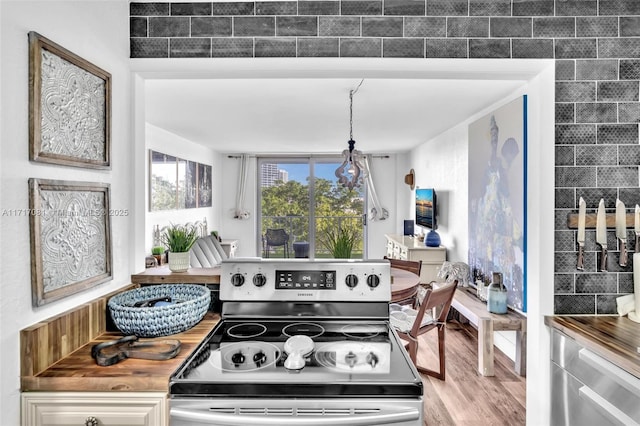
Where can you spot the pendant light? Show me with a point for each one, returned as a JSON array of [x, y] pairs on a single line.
[[350, 171]]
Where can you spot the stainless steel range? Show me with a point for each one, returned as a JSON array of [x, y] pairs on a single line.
[[300, 343]]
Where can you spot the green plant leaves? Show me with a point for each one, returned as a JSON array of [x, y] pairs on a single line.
[[179, 238], [340, 242]]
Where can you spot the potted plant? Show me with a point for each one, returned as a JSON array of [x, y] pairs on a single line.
[[158, 253], [340, 242], [179, 239]]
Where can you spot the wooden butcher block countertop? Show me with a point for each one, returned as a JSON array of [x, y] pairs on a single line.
[[615, 338], [56, 355]]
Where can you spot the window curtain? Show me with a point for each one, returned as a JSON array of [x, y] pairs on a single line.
[[376, 212], [241, 213]]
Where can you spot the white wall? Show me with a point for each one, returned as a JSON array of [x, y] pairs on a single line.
[[160, 140], [98, 32], [442, 163]]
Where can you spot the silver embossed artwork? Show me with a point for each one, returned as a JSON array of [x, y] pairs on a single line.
[[69, 106], [70, 237]]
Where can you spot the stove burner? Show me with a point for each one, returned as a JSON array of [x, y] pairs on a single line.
[[362, 331], [303, 328], [245, 356], [246, 330]]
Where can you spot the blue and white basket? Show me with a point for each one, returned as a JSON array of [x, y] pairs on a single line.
[[189, 304]]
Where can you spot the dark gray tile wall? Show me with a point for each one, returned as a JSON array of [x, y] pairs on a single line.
[[596, 45]]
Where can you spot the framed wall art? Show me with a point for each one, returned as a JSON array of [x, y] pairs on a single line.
[[189, 184], [176, 183], [204, 185], [69, 107], [70, 237], [497, 198]]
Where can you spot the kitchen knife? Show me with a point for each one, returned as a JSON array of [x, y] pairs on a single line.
[[636, 227], [621, 231], [601, 234], [582, 211]]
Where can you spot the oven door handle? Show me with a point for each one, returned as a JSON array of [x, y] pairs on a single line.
[[226, 419]]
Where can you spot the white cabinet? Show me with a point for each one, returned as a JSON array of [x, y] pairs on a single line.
[[411, 248], [229, 247], [107, 408]]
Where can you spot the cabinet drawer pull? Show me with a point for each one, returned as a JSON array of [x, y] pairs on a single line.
[[604, 407], [91, 421], [621, 377]]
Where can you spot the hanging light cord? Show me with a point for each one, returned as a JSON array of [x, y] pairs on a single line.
[[351, 93]]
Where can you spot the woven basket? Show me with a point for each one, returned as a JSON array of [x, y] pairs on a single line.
[[191, 304]]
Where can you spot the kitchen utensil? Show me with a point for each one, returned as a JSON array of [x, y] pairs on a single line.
[[601, 234], [114, 351], [621, 231], [582, 211], [636, 227]]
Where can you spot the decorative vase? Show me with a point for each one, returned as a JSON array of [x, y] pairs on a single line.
[[179, 261], [432, 239], [497, 295]]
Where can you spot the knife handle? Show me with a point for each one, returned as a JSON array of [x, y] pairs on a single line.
[[623, 253], [603, 260], [580, 265]]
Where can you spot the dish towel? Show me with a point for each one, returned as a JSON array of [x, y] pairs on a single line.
[[627, 304]]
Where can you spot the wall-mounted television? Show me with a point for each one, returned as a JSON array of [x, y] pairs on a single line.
[[426, 205]]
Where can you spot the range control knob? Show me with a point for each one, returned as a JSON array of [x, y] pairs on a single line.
[[237, 280], [372, 359], [259, 280], [373, 281], [351, 359], [259, 358], [237, 358], [351, 281]]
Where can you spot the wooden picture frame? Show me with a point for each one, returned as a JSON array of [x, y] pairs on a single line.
[[69, 107], [70, 230]]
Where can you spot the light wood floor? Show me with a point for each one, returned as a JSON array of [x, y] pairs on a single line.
[[466, 398]]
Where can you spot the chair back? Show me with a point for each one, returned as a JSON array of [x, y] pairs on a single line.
[[414, 266], [439, 298], [276, 237]]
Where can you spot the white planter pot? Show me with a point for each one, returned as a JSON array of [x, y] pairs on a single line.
[[179, 262]]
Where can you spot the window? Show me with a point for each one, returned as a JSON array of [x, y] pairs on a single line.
[[300, 198]]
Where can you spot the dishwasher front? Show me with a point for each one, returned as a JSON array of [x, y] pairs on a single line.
[[586, 389]]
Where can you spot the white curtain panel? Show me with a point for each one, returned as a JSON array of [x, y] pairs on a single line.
[[376, 212], [241, 213]]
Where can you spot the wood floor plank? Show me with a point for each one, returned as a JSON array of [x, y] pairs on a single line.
[[467, 398]]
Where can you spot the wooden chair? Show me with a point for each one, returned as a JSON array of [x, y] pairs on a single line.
[[414, 266], [440, 299]]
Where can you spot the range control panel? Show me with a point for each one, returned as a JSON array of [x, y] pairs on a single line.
[[310, 280], [252, 279]]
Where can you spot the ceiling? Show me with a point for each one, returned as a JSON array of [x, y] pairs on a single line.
[[311, 115]]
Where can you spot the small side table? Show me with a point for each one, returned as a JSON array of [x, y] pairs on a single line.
[[229, 247], [301, 249]]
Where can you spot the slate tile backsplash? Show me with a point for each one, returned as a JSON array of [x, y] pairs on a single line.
[[595, 44]]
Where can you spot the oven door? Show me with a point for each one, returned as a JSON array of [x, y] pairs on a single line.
[[298, 412]]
